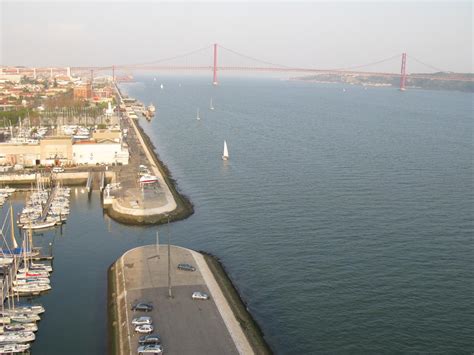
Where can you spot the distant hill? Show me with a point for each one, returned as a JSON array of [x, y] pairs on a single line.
[[431, 81]]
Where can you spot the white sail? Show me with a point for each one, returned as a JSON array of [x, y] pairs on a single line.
[[197, 116], [225, 155], [211, 107]]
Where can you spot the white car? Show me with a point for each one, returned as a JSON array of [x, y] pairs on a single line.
[[200, 296], [142, 320], [150, 349], [144, 329]]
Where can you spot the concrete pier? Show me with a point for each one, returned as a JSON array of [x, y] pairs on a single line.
[[186, 326], [150, 204]]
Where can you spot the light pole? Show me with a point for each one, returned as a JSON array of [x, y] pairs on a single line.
[[170, 295]]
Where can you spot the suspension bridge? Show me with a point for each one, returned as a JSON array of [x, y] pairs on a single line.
[[215, 59]]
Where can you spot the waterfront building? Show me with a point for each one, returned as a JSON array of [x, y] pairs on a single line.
[[104, 151], [63, 150]]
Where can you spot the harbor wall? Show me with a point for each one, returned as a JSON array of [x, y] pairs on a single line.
[[66, 178]]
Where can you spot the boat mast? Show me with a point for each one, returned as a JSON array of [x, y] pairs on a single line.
[[12, 230]]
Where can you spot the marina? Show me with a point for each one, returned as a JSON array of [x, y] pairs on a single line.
[[21, 278]]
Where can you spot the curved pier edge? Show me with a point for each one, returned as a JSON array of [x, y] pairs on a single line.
[[184, 207]]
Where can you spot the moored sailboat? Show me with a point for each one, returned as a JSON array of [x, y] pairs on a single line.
[[21, 327], [13, 348], [17, 337]]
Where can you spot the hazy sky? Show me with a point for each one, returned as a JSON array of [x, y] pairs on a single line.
[[305, 34]]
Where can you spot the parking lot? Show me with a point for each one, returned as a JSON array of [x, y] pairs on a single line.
[[186, 326]]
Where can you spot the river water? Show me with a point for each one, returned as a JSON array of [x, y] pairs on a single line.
[[345, 217]]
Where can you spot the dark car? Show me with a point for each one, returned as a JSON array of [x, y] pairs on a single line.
[[144, 307], [186, 267], [149, 339]]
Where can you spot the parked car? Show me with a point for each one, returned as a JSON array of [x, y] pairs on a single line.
[[186, 267], [144, 307], [200, 296], [142, 320], [150, 349], [149, 339], [144, 329]]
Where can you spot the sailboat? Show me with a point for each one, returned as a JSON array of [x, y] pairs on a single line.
[[211, 107], [225, 154], [161, 86], [197, 116]]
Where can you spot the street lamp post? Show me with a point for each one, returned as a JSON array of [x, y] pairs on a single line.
[[170, 295]]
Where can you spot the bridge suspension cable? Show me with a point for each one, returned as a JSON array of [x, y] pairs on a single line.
[[426, 64], [183, 55], [368, 64], [253, 58]]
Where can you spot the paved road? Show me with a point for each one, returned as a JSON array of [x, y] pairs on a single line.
[[186, 326]]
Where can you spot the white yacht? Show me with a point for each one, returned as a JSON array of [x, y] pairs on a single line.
[[31, 289], [17, 337], [21, 327], [24, 317], [32, 281], [34, 309], [13, 348]]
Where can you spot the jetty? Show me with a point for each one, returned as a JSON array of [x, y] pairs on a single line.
[[137, 202], [186, 325]]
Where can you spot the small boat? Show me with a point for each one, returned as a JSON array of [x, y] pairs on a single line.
[[31, 289], [197, 115], [161, 86], [225, 154], [17, 337], [40, 267], [33, 280], [4, 319], [33, 309], [211, 107], [32, 274], [24, 318], [21, 327], [13, 348], [148, 179], [151, 108], [40, 225]]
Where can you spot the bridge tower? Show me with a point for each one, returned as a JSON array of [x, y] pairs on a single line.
[[403, 74], [214, 80]]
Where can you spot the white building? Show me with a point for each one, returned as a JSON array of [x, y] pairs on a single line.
[[99, 152]]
